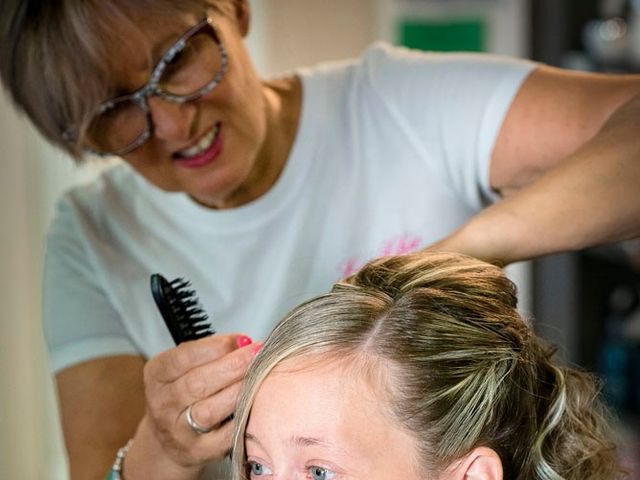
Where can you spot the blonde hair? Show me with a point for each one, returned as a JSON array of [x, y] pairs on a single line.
[[464, 368], [54, 59]]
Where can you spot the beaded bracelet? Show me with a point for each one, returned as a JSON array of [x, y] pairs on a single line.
[[116, 469]]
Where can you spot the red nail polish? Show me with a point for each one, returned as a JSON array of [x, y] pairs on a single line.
[[258, 347], [243, 341]]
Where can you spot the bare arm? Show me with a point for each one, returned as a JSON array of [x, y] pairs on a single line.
[[101, 404], [568, 161], [106, 402]]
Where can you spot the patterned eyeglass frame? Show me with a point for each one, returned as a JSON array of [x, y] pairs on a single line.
[[152, 88]]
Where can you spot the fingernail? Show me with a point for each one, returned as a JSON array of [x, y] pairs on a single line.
[[243, 341], [257, 348]]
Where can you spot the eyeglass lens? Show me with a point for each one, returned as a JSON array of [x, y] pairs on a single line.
[[189, 72]]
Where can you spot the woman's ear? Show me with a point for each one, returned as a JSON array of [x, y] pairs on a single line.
[[481, 464]]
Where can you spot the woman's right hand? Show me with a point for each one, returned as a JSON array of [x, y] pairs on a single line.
[[205, 375]]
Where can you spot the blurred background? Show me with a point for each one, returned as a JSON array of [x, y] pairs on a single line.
[[586, 302]]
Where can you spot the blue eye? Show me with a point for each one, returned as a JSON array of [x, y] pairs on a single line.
[[319, 473], [258, 470]]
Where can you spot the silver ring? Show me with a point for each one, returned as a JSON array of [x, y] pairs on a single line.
[[195, 426]]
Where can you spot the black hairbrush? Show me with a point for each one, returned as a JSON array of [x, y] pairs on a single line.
[[180, 309]]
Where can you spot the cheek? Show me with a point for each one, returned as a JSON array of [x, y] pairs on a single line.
[[242, 85], [147, 162], [247, 97], [240, 105]]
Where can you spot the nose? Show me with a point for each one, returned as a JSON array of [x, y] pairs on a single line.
[[172, 121]]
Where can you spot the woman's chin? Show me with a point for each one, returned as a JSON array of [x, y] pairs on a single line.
[[214, 195]]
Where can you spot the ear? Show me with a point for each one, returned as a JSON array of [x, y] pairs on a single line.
[[481, 464], [242, 13]]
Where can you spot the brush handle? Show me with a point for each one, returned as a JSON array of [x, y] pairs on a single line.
[[161, 290]]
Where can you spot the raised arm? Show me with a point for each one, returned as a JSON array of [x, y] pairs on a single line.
[[567, 161]]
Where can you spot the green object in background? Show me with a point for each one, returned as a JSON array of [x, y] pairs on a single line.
[[444, 35]]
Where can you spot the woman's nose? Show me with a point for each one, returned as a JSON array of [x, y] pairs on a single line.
[[172, 121]]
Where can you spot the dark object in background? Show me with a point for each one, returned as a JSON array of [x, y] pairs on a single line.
[[616, 362]]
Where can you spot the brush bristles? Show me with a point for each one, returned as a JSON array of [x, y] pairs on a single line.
[[187, 314]]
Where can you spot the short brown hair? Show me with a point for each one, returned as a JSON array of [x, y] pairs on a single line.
[[54, 61]]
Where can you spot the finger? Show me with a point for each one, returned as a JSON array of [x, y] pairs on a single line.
[[199, 383], [214, 445], [167, 366], [213, 411], [207, 380], [198, 448]]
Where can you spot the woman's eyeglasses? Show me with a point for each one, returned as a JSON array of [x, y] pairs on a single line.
[[191, 68]]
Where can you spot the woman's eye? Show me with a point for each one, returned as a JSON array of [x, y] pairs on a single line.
[[257, 469], [176, 62], [319, 473]]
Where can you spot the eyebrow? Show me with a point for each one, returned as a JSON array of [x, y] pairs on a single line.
[[158, 49], [309, 442], [297, 440]]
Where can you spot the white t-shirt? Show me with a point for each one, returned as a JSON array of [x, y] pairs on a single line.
[[392, 153]]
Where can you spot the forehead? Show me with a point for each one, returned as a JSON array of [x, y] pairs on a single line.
[[326, 409], [313, 401]]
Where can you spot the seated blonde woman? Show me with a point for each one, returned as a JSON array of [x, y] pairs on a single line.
[[418, 367]]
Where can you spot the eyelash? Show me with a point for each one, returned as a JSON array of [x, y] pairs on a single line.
[[332, 474], [249, 464]]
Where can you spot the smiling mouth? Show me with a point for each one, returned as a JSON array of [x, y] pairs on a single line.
[[202, 146], [208, 148]]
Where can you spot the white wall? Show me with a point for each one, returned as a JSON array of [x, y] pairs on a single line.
[[304, 32], [285, 34], [30, 445]]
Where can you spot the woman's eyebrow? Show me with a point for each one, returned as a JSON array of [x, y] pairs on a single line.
[[296, 440], [161, 47], [252, 438], [173, 34], [309, 442]]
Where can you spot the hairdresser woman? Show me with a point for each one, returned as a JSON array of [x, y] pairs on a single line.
[[265, 192]]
